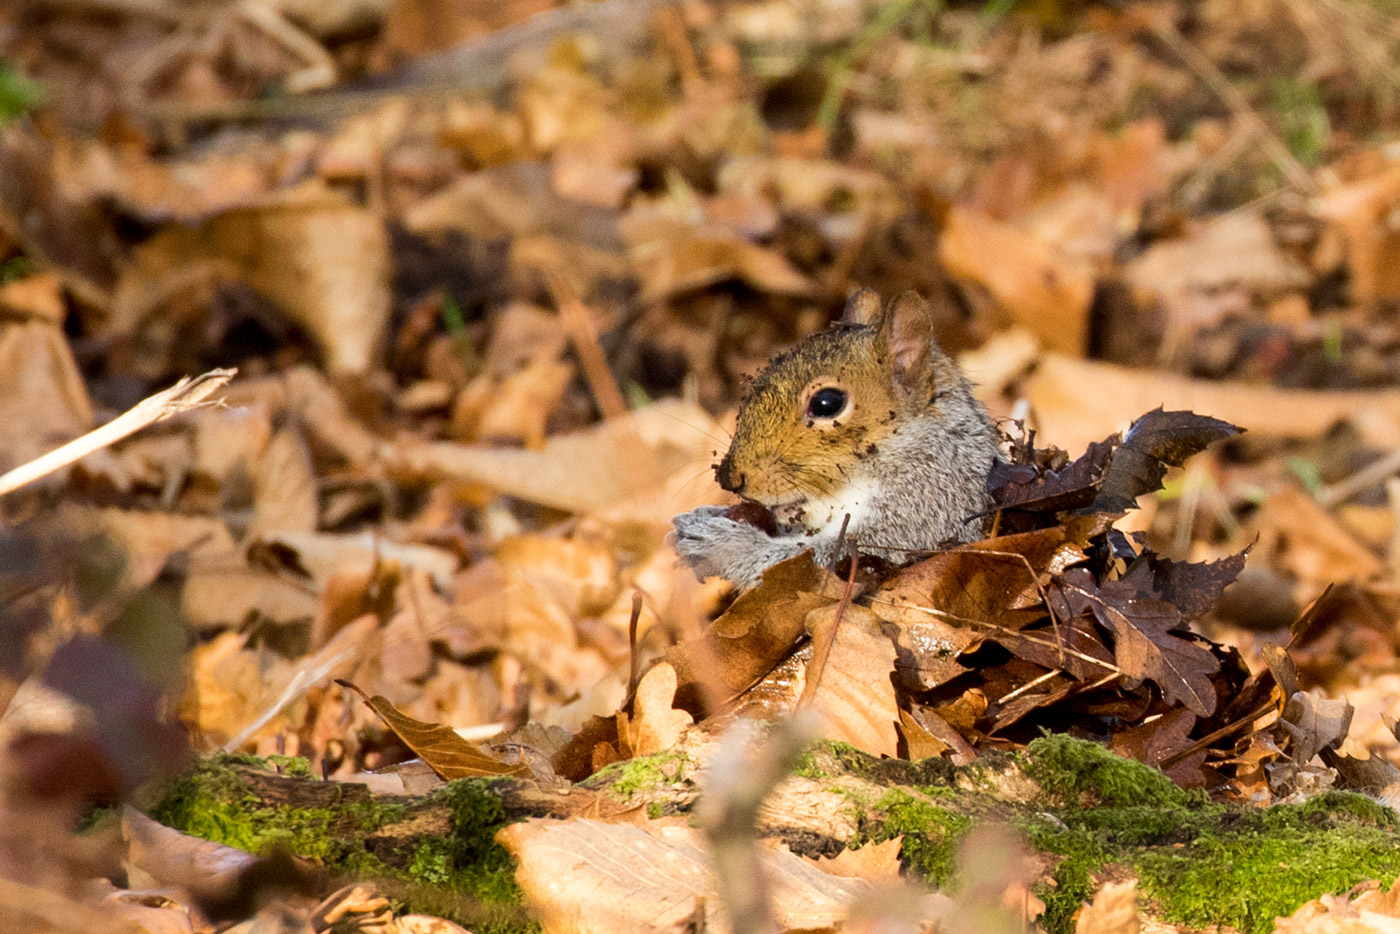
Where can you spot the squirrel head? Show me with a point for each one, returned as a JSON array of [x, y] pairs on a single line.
[[811, 431]]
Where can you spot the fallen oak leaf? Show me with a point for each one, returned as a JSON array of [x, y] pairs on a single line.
[[1143, 644], [450, 755]]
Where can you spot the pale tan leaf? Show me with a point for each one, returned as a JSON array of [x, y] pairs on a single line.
[[856, 698], [284, 487], [578, 472], [654, 726], [321, 260], [173, 858], [587, 877], [1076, 402], [43, 401]]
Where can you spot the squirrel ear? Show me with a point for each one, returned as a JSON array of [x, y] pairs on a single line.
[[907, 334], [863, 307]]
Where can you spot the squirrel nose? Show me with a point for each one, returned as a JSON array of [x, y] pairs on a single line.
[[725, 474]]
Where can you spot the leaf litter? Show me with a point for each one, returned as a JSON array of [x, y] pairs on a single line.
[[465, 324]]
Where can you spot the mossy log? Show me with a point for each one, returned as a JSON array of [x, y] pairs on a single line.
[[1087, 814]]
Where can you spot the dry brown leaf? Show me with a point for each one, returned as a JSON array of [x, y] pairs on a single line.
[[686, 260], [1357, 210], [1043, 290], [809, 185], [1305, 539], [229, 684], [1372, 912], [323, 555], [225, 593], [873, 862], [151, 539], [322, 261], [437, 744], [1233, 250], [579, 573], [752, 636], [1077, 402], [285, 491], [654, 726], [1113, 911], [43, 401], [947, 602], [521, 404], [855, 697], [586, 877], [580, 472]]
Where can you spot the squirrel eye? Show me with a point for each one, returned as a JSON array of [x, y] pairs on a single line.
[[826, 403]]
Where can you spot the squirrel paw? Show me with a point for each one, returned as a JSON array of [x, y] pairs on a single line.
[[714, 545]]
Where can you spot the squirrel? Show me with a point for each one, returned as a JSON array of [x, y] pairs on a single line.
[[869, 420]]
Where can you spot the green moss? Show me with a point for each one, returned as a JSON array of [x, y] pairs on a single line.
[[1200, 863], [1261, 864], [1073, 769], [464, 876], [1081, 857], [931, 833], [645, 773], [292, 765]]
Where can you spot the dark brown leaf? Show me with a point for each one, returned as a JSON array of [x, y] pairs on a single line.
[[1143, 644], [1193, 587], [1153, 443], [1033, 489]]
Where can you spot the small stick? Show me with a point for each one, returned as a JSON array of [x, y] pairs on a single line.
[[634, 671], [578, 324], [187, 394]]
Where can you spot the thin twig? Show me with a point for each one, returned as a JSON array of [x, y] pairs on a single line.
[[1373, 473], [187, 394], [634, 669], [578, 325]]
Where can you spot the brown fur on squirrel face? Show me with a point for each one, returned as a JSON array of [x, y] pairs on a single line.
[[868, 419]]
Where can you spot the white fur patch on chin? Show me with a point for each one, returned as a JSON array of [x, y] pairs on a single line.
[[826, 515]]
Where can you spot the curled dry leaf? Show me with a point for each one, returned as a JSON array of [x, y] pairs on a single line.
[[438, 745]]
